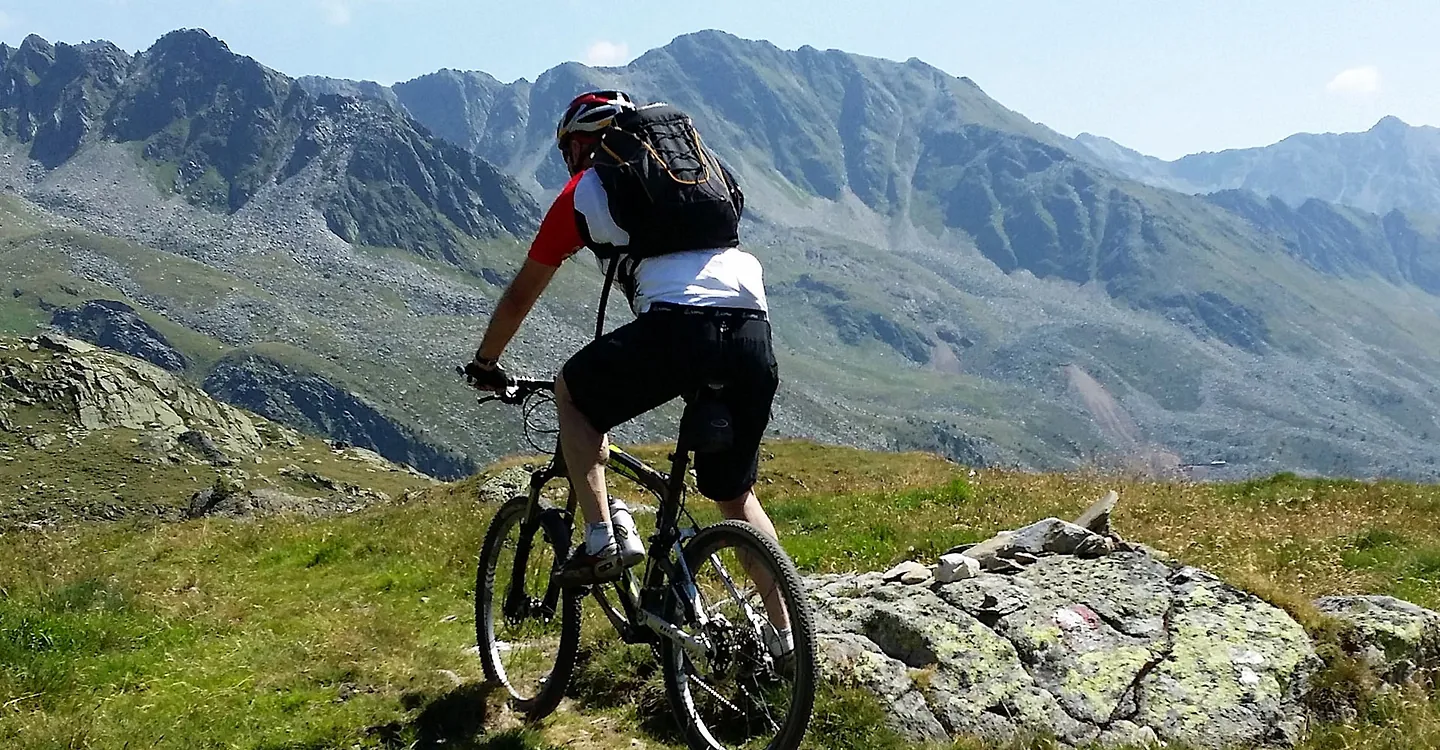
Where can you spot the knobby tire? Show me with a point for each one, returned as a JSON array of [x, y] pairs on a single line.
[[674, 659], [551, 530]]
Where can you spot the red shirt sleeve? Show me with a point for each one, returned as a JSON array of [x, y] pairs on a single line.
[[559, 236]]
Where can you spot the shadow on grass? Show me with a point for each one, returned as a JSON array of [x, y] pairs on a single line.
[[454, 720]]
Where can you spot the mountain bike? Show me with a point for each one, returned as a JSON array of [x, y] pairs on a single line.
[[695, 603]]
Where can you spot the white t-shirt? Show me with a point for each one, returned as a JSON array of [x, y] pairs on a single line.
[[724, 277]]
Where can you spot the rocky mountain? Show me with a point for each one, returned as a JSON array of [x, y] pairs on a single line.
[[938, 187], [215, 127], [1400, 248], [944, 273], [1391, 166], [119, 166]]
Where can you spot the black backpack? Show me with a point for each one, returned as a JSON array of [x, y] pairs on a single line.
[[666, 189]]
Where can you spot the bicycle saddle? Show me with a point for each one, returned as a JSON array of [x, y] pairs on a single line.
[[706, 426]]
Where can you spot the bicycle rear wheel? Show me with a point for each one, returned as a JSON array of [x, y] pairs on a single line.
[[527, 627], [739, 694]]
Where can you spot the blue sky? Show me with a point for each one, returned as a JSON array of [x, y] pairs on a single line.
[[1167, 77]]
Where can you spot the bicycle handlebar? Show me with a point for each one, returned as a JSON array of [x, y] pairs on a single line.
[[518, 390]]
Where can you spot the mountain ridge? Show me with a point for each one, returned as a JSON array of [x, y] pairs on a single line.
[[1392, 165]]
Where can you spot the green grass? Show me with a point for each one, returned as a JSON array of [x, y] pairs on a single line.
[[334, 632]]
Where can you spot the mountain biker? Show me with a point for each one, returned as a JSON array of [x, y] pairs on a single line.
[[700, 313]]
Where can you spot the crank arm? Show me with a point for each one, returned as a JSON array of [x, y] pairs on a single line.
[[664, 629]]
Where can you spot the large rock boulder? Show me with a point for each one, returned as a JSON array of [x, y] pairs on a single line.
[[1117, 650], [1399, 640], [1073, 633]]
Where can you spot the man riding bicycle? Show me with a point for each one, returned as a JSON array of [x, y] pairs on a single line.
[[699, 301]]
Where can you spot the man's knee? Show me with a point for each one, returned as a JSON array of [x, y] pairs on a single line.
[[562, 393], [736, 506]]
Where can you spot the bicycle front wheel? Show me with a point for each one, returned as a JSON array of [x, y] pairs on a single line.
[[750, 688], [527, 627]]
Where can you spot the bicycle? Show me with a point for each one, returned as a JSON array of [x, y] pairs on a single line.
[[725, 683]]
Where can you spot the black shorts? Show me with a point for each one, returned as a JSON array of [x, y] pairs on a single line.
[[666, 354]]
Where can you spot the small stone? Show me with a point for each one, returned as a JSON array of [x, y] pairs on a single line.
[[1097, 517], [1023, 558], [956, 567], [908, 572]]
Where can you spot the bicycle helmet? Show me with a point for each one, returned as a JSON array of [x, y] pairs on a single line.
[[591, 113]]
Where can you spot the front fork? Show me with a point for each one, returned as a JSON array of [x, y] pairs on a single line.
[[518, 603]]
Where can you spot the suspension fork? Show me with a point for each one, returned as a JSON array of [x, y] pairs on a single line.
[[517, 602]]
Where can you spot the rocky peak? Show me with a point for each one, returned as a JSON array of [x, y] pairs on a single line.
[[58, 94], [187, 74], [1390, 125], [35, 48]]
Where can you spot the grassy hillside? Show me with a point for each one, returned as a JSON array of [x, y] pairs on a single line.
[[354, 631]]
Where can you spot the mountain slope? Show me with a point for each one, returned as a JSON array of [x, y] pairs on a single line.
[[943, 273], [1392, 166], [891, 180]]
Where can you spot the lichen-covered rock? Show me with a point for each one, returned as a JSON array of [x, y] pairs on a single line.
[[507, 483], [1236, 671], [1398, 639], [1119, 649]]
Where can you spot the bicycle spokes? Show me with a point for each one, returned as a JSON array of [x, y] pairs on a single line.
[[520, 622], [739, 688]]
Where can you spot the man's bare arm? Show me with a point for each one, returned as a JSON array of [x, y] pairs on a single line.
[[514, 305]]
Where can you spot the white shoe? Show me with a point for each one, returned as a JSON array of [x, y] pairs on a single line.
[[777, 643]]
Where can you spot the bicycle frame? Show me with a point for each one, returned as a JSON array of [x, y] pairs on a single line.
[[641, 624]]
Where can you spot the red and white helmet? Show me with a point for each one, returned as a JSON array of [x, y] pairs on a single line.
[[592, 112]]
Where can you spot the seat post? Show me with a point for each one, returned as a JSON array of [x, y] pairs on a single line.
[[679, 464]]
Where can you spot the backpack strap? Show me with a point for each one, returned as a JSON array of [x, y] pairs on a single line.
[[605, 295]]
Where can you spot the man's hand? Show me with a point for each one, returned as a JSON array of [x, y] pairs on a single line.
[[486, 375]]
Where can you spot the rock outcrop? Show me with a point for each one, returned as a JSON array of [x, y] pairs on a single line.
[[290, 396], [98, 390], [1397, 639], [88, 434], [116, 325], [1066, 630], [1119, 649]]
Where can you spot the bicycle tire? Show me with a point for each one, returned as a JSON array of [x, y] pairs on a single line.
[[556, 533], [675, 662]]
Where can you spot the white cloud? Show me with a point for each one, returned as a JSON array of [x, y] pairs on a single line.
[[337, 12], [1355, 81], [5, 20], [607, 53]]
